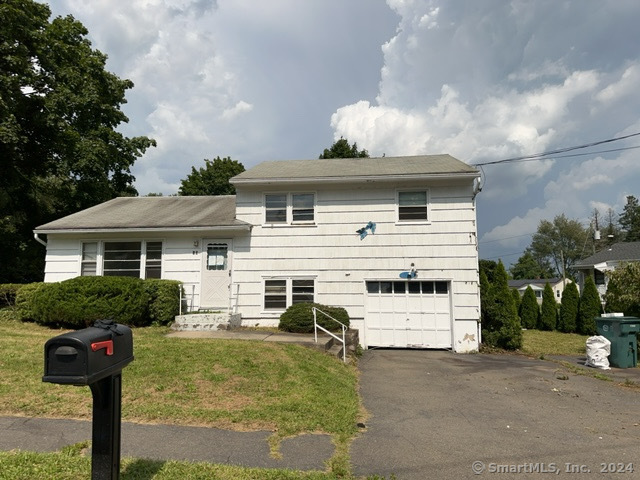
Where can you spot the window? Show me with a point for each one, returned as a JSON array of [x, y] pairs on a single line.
[[89, 262], [411, 287], [283, 292], [276, 208], [122, 259], [129, 259], [598, 276], [289, 208], [275, 294], [153, 263], [217, 254], [412, 206]]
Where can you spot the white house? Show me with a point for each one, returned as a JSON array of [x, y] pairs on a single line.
[[596, 266], [392, 240], [557, 284]]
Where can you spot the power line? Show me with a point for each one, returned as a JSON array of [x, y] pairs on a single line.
[[538, 156]]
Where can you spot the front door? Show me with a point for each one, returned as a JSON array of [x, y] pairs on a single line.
[[216, 278]]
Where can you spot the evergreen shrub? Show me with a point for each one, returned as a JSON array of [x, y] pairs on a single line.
[[529, 309], [80, 301], [568, 316], [589, 308], [549, 310], [8, 293], [164, 300], [501, 327], [25, 299], [298, 318]]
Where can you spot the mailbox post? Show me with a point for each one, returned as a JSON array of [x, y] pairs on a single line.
[[95, 356]]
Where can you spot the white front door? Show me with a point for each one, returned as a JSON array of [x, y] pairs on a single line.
[[216, 268]]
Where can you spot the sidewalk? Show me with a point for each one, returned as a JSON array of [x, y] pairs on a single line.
[[172, 442]]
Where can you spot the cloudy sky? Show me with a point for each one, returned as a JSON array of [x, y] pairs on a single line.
[[481, 80]]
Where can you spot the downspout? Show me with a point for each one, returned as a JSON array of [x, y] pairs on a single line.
[[38, 239]]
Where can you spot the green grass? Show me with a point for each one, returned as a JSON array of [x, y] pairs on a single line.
[[538, 343], [69, 465], [231, 384]]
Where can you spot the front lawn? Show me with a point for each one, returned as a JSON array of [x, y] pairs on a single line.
[[538, 342], [231, 384]]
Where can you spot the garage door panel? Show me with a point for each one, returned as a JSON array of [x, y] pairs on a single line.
[[409, 316]]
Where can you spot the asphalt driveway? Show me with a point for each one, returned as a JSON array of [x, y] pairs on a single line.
[[435, 414]]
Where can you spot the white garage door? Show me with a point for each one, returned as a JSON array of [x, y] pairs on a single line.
[[410, 313]]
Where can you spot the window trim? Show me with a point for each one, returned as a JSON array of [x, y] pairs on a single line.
[[289, 293], [100, 256], [289, 209], [413, 221]]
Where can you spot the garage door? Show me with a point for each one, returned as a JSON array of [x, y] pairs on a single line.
[[410, 313]]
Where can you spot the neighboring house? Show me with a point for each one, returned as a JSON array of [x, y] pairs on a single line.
[[537, 285], [392, 240], [606, 260]]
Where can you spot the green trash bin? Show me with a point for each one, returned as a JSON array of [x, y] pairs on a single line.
[[622, 333]]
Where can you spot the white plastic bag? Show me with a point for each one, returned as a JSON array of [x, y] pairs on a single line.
[[598, 349]]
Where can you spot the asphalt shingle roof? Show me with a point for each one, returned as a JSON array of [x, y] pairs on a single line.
[[343, 168], [152, 212], [623, 251]]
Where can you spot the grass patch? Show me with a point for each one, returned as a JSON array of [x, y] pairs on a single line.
[[539, 343], [231, 384], [17, 465]]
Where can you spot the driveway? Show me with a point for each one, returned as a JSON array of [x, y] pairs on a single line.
[[434, 413]]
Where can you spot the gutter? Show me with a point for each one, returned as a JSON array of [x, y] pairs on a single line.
[[221, 228], [356, 179], [38, 239]]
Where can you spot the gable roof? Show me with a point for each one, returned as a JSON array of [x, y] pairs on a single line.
[[151, 213], [618, 252], [349, 169]]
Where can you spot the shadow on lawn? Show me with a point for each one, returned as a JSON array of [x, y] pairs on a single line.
[[140, 469]]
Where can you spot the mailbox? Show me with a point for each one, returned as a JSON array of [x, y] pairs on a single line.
[[85, 356]]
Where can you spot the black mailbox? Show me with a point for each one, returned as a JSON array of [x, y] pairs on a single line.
[[86, 356]]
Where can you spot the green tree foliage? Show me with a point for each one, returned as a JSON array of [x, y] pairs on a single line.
[[502, 327], [342, 149], [568, 316], [548, 310], [630, 220], [529, 309], [59, 148], [212, 179], [623, 290], [528, 267], [516, 298], [589, 308], [560, 242], [488, 267], [485, 298]]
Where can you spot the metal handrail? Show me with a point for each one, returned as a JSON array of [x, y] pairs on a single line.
[[186, 297], [344, 329]]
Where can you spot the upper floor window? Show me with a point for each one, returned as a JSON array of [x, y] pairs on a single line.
[[598, 276], [289, 208], [413, 206]]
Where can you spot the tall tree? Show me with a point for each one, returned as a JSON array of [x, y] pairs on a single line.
[[503, 328], [488, 267], [623, 289], [59, 110], [527, 267], [630, 220], [529, 309], [342, 149], [568, 315], [560, 242], [548, 310], [589, 307], [212, 179]]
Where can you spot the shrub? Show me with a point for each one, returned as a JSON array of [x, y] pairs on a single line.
[[298, 318], [529, 309], [503, 326], [25, 299], [517, 300], [589, 308], [164, 300], [78, 302], [549, 310], [8, 293], [568, 316]]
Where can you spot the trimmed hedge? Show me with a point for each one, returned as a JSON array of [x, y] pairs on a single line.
[[298, 318], [164, 298], [78, 302]]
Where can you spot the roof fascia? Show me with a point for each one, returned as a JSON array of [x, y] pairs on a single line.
[[355, 179], [238, 228]]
